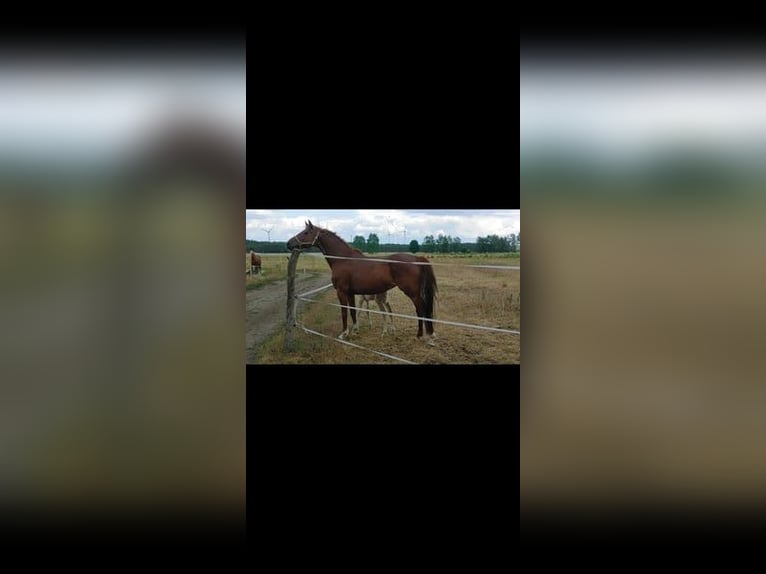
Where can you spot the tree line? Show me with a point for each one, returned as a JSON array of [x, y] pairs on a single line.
[[449, 244], [430, 244]]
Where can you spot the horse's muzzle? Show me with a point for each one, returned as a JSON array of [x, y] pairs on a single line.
[[292, 244]]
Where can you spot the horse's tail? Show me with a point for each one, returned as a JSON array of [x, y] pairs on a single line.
[[428, 288]]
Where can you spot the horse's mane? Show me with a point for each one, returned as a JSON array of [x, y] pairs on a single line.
[[324, 231], [335, 235]]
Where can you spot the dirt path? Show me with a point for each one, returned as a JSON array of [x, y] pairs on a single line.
[[265, 310]]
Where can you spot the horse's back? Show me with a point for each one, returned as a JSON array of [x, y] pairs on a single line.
[[400, 270], [405, 257]]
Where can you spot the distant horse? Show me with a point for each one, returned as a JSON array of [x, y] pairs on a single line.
[[359, 275], [255, 263]]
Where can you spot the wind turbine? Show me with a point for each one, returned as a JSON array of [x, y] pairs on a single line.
[[268, 231], [389, 221]]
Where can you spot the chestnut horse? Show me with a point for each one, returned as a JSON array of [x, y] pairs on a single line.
[[255, 263], [360, 276]]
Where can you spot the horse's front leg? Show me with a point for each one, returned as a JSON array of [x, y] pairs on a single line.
[[352, 304], [343, 314]]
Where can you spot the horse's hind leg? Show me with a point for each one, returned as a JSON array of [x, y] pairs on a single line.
[[343, 298], [419, 309], [430, 330]]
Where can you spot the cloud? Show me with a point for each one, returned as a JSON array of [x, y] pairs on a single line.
[[417, 223]]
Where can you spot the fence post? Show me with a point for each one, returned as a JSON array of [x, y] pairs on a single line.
[[291, 301]]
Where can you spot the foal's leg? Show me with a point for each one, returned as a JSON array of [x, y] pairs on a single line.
[[366, 302], [379, 301], [391, 316]]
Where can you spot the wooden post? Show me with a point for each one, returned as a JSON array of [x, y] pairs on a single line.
[[291, 300]]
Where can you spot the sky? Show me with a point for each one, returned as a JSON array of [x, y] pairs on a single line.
[[404, 225], [627, 110]]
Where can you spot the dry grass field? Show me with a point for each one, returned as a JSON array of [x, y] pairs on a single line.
[[489, 297], [274, 268]]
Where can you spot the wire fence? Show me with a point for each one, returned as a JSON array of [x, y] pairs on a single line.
[[293, 300], [480, 327], [375, 260]]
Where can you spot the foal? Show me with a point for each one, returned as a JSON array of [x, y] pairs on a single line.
[[381, 299]]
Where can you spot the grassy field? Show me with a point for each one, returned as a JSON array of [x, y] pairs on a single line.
[[489, 297]]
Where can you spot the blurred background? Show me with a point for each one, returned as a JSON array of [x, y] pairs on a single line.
[[122, 180], [642, 187]]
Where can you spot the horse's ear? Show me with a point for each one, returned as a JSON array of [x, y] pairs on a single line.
[[310, 224]]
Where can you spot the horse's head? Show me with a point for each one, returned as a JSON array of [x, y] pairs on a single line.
[[306, 238]]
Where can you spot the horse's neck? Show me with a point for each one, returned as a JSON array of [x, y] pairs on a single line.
[[330, 245]]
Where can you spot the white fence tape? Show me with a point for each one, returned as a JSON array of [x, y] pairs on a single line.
[[481, 327], [357, 346], [371, 259]]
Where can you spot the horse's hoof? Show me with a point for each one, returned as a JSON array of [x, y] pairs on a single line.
[[432, 342]]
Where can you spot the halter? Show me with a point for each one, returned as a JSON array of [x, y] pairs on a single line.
[[303, 245]]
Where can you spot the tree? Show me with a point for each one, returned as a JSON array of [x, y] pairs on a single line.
[[359, 243], [483, 244], [456, 244], [373, 243], [513, 243], [443, 242], [429, 244], [497, 244], [414, 246]]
